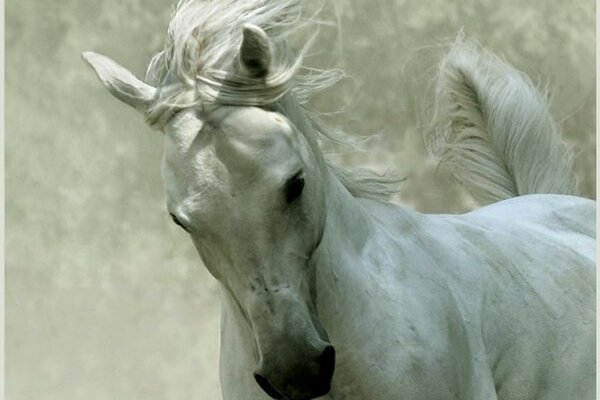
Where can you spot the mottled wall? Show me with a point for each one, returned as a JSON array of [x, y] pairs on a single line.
[[105, 297]]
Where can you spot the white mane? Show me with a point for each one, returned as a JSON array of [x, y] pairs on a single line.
[[198, 67]]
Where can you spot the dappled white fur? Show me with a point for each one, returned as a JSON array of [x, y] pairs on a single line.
[[492, 129]]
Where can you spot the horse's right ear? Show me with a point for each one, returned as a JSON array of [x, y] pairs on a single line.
[[255, 51], [120, 82]]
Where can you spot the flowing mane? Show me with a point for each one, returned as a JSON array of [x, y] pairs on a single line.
[[198, 67]]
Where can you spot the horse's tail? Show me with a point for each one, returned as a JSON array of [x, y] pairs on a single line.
[[493, 131]]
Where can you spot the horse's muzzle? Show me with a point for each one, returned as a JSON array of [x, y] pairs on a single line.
[[303, 381]]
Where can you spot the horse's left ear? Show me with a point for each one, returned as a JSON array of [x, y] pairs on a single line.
[[120, 82], [255, 52]]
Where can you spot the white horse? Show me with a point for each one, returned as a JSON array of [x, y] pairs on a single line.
[[494, 304]]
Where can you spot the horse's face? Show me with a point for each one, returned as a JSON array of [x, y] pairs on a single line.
[[247, 187]]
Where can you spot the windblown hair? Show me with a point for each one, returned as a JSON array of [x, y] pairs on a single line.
[[493, 131], [198, 67]]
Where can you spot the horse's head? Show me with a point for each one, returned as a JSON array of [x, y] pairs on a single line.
[[245, 185], [249, 188]]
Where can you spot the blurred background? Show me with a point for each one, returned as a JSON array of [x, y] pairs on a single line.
[[105, 296]]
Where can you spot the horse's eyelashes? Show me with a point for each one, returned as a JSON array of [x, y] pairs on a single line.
[[294, 187]]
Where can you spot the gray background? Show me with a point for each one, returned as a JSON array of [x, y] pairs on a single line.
[[105, 297]]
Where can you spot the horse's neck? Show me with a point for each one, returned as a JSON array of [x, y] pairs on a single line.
[[356, 245], [347, 229], [348, 224]]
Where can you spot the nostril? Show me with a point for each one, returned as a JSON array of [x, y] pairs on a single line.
[[327, 358], [327, 364], [267, 387]]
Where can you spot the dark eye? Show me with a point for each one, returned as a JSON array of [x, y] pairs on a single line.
[[294, 186], [174, 218]]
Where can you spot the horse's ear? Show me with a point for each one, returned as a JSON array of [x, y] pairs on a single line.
[[255, 52], [120, 82]]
